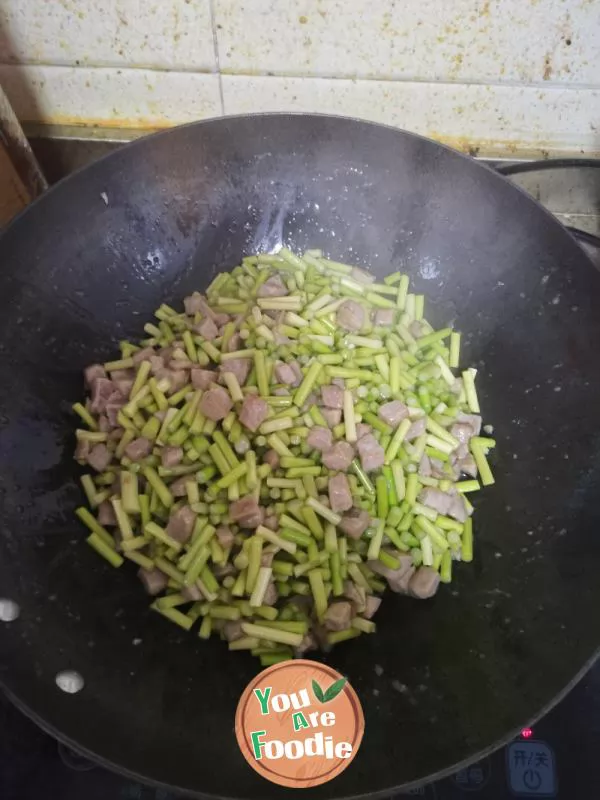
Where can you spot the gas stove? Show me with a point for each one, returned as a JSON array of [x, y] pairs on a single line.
[[557, 757]]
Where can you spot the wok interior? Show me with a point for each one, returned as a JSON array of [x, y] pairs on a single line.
[[441, 680]]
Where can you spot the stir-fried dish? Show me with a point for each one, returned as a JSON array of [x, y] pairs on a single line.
[[277, 454]]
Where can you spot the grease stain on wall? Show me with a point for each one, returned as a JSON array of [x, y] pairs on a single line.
[[469, 72]]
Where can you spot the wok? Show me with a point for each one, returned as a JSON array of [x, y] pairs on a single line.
[[443, 681]]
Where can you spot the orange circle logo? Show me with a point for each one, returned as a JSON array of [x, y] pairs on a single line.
[[299, 723]]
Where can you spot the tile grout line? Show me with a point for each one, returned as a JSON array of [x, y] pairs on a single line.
[[213, 24], [355, 79]]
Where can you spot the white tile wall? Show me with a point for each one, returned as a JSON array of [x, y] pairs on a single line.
[[160, 34], [107, 96], [491, 118], [500, 41], [494, 74]]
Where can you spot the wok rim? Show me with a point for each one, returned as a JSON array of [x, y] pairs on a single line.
[[441, 774], [304, 114], [380, 794]]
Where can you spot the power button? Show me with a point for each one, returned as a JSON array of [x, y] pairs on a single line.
[[531, 769]]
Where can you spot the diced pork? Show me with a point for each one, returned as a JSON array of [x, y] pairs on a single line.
[[254, 412], [340, 497], [224, 536], [138, 449], [339, 456], [171, 456], [393, 413], [192, 593], [434, 468], [372, 454], [424, 583], [234, 343], [458, 508], [103, 424], [272, 522], [418, 428], [123, 386], [177, 379], [362, 429], [112, 411], [273, 287], [436, 499], [202, 378], [332, 396], [246, 512], [106, 514], [310, 401], [166, 353], [267, 556], [320, 634], [92, 373], [355, 523], [444, 469], [195, 304], [99, 457], [457, 387], [332, 416], [425, 466], [467, 465], [232, 630], [350, 315], [271, 457], [361, 276], [372, 603], [118, 396], [308, 643], [462, 432], [145, 354], [102, 389], [338, 616], [180, 364], [271, 595], [223, 570], [240, 368], [384, 317], [178, 486], [416, 329], [157, 363], [220, 318], [474, 420], [122, 375], [398, 579], [319, 438], [181, 524], [207, 329], [216, 404], [285, 374], [356, 595], [154, 580], [299, 374]]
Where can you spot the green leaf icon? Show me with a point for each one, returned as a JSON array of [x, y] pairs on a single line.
[[334, 690], [318, 692]]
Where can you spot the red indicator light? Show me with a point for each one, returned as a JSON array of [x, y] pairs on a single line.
[[527, 733]]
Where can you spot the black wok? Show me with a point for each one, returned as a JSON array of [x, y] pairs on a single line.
[[462, 672]]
